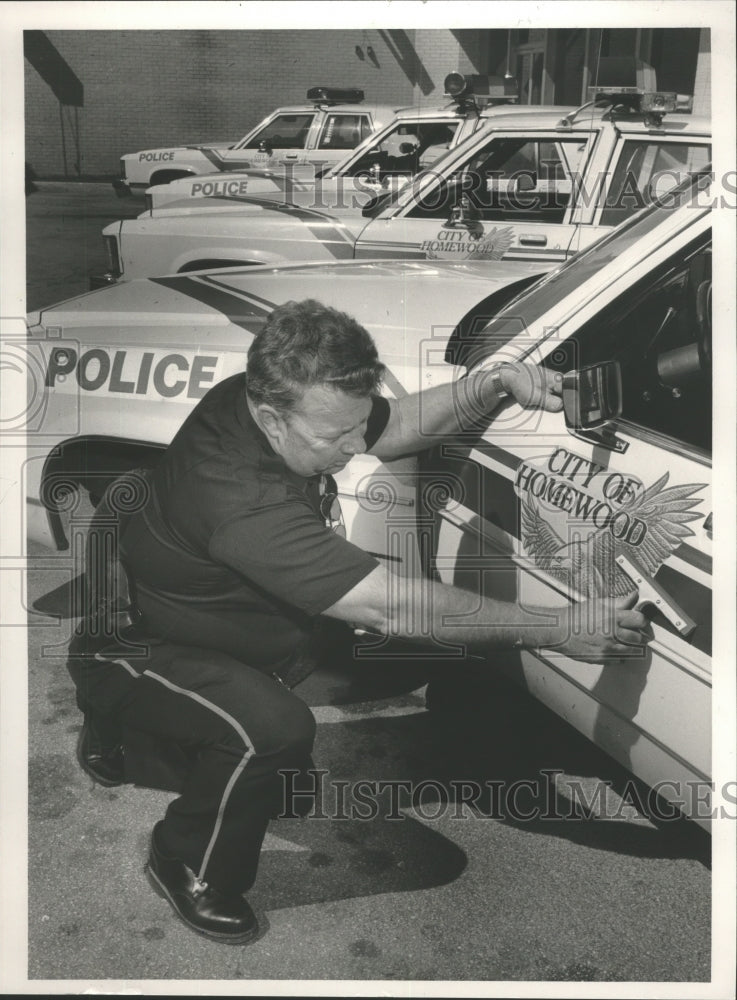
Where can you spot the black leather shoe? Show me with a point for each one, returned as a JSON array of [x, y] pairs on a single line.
[[103, 763], [218, 915]]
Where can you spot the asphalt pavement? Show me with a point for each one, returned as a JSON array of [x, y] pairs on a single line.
[[376, 885]]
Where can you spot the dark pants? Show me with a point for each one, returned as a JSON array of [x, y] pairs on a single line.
[[241, 728]]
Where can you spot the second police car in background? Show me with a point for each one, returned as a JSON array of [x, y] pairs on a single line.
[[411, 142], [332, 121], [538, 507], [534, 187]]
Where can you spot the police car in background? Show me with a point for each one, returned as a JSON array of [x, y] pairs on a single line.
[[535, 187], [539, 508], [321, 131], [412, 142]]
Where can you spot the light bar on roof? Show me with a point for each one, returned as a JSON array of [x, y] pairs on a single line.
[[335, 95], [488, 88]]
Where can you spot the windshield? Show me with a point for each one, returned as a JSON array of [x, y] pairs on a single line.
[[436, 170], [384, 139], [285, 131], [406, 148], [528, 307]]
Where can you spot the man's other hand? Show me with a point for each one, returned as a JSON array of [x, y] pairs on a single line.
[[604, 630]]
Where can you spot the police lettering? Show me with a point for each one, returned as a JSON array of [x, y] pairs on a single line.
[[155, 156], [169, 376], [211, 189]]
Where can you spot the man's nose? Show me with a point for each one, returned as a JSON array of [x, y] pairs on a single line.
[[354, 445]]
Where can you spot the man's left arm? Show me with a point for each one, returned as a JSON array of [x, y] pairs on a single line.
[[423, 419]]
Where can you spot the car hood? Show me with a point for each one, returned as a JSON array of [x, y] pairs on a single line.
[[222, 191], [217, 145], [403, 305], [316, 205]]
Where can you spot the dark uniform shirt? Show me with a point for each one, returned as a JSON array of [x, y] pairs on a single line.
[[231, 551]]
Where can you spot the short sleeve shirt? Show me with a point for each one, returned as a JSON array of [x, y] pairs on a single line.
[[231, 551]]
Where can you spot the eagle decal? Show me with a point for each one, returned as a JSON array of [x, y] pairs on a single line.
[[588, 565], [470, 243]]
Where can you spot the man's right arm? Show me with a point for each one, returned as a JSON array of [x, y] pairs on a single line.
[[425, 611]]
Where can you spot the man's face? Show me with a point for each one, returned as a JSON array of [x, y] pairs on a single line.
[[325, 430]]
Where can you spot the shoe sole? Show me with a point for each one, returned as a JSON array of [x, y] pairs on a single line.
[[105, 782], [162, 891]]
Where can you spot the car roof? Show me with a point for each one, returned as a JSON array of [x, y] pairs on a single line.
[[454, 110], [550, 118], [326, 106]]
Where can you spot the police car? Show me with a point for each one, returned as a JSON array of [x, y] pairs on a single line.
[[321, 131], [538, 187], [412, 142], [537, 507]]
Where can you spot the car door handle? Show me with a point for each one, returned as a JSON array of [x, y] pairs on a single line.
[[528, 240], [291, 156], [651, 592]]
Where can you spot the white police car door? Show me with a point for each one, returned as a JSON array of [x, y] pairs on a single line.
[[511, 196], [545, 514], [281, 140]]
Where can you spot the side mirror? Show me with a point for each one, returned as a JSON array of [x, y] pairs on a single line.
[[592, 398], [526, 181], [264, 147], [463, 214]]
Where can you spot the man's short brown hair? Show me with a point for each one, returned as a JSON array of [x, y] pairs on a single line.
[[307, 343]]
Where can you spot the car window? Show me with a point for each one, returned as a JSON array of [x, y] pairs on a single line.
[[660, 332], [407, 148], [283, 132], [646, 169], [512, 178], [343, 131]]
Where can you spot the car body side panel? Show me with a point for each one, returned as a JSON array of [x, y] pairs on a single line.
[[147, 247], [549, 506]]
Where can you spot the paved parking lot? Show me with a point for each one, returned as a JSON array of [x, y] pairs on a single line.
[[439, 891]]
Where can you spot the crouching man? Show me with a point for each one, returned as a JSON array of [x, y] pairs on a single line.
[[233, 560]]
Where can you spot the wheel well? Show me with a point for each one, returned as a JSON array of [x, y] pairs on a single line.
[[89, 464], [164, 176], [213, 262]]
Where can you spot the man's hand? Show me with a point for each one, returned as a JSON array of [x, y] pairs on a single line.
[[532, 386], [603, 630]]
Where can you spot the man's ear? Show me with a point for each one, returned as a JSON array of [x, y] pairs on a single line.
[[272, 423]]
